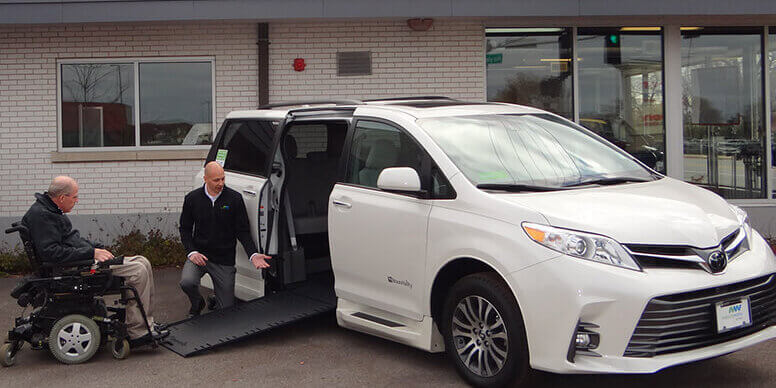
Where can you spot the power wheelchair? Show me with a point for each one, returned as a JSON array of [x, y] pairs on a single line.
[[70, 317]]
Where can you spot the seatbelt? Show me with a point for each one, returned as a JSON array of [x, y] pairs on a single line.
[[290, 220]]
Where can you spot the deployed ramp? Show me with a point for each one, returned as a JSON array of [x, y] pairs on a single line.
[[220, 327]]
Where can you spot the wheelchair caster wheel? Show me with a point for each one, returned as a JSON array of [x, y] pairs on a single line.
[[8, 354], [74, 339], [120, 349]]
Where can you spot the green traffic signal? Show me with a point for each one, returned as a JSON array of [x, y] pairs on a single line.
[[613, 38]]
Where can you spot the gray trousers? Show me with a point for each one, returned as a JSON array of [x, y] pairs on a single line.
[[223, 282], [137, 273]]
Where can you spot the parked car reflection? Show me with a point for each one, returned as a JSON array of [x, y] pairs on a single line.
[[645, 148]]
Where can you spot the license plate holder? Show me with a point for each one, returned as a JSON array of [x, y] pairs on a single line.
[[733, 314]]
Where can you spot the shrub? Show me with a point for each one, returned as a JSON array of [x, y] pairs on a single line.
[[158, 248], [13, 261]]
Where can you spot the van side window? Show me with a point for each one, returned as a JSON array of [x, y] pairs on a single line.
[[247, 143], [377, 146]]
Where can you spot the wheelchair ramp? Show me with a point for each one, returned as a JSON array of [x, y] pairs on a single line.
[[195, 335]]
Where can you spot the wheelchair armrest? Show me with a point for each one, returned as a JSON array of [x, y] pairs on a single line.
[[69, 264]]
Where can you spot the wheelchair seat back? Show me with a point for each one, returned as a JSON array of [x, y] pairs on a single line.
[[29, 248]]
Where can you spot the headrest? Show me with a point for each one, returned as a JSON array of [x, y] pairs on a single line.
[[289, 147], [383, 154]]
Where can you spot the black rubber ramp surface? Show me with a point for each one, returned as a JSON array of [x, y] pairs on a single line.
[[220, 327]]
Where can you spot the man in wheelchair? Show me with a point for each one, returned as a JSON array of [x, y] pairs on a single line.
[[72, 274]]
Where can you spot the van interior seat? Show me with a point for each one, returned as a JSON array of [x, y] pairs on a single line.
[[310, 179], [383, 154]]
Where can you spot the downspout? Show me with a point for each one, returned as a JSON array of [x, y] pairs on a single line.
[[262, 44]]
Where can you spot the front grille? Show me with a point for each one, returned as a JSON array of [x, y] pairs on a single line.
[[680, 322], [686, 257]]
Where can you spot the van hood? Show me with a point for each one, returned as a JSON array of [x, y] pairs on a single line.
[[665, 212]]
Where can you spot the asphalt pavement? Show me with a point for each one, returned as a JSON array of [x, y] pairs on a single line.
[[317, 353]]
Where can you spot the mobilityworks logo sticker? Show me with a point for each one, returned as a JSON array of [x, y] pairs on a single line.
[[734, 309], [404, 283]]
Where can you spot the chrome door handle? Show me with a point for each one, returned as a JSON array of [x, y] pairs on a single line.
[[250, 192], [343, 204]]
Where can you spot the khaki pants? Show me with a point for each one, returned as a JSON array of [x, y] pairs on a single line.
[[137, 273]]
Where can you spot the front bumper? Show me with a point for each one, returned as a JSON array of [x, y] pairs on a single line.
[[557, 294]]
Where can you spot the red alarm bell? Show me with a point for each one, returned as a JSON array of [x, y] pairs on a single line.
[[299, 64]]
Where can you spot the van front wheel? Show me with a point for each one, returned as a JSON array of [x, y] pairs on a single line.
[[484, 332]]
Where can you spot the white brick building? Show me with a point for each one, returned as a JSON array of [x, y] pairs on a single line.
[[38, 40]]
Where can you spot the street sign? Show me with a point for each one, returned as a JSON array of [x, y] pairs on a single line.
[[494, 58]]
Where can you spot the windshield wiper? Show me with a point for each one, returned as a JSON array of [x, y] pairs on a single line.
[[609, 181], [516, 188]]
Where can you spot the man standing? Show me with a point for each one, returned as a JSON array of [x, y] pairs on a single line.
[[55, 241], [213, 218]]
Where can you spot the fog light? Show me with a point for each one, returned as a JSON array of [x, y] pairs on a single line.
[[584, 340]]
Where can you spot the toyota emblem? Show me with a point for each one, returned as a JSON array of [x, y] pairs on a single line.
[[718, 261]]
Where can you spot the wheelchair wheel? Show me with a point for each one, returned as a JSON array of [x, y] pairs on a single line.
[[74, 339], [8, 353], [119, 349]]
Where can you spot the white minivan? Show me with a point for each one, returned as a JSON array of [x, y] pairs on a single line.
[[509, 237]]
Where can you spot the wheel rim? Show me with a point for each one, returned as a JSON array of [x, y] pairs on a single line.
[[74, 339], [480, 336]]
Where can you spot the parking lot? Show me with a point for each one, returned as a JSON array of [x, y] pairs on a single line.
[[315, 353]]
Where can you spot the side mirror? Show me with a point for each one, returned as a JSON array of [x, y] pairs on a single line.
[[403, 179]]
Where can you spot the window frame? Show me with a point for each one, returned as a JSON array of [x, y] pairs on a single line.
[[135, 62]]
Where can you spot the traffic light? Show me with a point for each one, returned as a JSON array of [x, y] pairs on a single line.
[[612, 49]]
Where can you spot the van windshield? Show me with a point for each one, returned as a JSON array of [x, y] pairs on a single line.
[[530, 151]]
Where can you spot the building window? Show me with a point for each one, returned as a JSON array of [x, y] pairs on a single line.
[[531, 66], [101, 103], [723, 110], [621, 89]]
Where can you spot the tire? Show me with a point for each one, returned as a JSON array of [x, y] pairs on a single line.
[[7, 354], [120, 349], [74, 339], [484, 332]]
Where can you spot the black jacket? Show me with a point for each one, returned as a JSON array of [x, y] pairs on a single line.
[[52, 234], [212, 229]]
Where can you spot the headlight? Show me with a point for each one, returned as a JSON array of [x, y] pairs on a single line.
[[582, 245], [743, 219]]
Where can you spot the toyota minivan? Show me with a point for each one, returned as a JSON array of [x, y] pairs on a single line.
[[507, 236]]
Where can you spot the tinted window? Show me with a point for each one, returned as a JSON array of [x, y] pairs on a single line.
[[246, 144]]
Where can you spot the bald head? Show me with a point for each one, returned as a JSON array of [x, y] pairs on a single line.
[[213, 168], [61, 185], [63, 191], [214, 178]]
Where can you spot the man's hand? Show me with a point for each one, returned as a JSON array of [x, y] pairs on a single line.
[[101, 255], [198, 259], [260, 261]]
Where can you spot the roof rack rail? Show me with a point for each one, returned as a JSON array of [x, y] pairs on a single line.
[[320, 111], [410, 98], [313, 102]]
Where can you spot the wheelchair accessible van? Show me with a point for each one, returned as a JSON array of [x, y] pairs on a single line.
[[69, 316]]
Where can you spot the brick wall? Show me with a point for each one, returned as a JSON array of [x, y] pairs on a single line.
[[447, 60], [28, 103]]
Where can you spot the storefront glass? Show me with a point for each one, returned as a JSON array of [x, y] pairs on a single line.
[[621, 89], [722, 110], [531, 66]]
